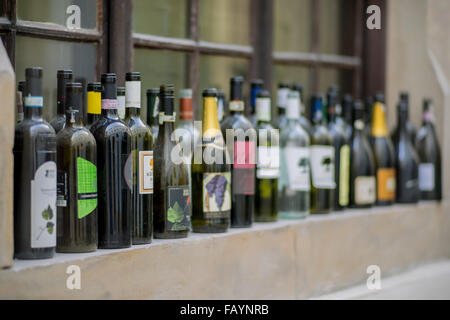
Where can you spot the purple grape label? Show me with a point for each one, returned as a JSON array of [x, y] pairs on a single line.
[[216, 194]]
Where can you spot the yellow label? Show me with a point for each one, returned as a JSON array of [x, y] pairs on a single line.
[[211, 127], [379, 128], [344, 176], [94, 105]]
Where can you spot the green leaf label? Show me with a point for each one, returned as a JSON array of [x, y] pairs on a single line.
[[87, 187], [179, 208]]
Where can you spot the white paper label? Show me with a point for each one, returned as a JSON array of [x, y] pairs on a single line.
[[145, 172], [365, 190], [43, 206], [282, 97], [322, 167], [426, 177], [133, 94], [121, 106], [297, 164], [236, 105], [268, 162]]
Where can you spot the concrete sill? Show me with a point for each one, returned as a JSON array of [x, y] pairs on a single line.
[[285, 259]]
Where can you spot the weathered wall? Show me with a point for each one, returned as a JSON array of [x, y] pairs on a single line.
[[418, 60], [7, 84]]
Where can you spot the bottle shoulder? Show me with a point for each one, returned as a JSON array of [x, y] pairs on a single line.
[[74, 136], [320, 135]]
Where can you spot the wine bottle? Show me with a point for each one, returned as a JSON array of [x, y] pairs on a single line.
[[142, 162], [19, 100], [369, 101], [411, 131], [94, 102], [256, 86], [63, 77], [303, 120], [268, 162], [383, 152], [221, 103], [282, 96], [295, 183], [347, 110], [341, 154], [121, 102], [362, 166], [427, 145], [153, 111], [243, 153], [77, 179], [172, 201], [114, 163], [322, 162], [34, 176], [211, 174], [406, 159]]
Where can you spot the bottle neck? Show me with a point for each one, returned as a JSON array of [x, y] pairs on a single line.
[[236, 107], [33, 107], [379, 127], [210, 125], [332, 113], [94, 104], [73, 119], [152, 109], [132, 112], [358, 126], [427, 117], [61, 95], [109, 108], [263, 110], [186, 109]]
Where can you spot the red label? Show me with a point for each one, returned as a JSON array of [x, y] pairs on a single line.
[[243, 179], [244, 154]]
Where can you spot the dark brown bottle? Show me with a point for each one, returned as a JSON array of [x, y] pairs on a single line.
[[77, 179], [64, 77], [34, 177]]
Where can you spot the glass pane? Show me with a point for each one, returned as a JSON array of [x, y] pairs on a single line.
[[53, 55], [330, 26], [225, 21], [216, 71], [161, 17], [158, 67], [56, 11], [292, 25]]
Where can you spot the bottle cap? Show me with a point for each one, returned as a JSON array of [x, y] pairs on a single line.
[[133, 76]]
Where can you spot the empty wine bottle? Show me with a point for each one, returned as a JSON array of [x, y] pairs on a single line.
[[114, 164], [411, 131], [268, 162], [34, 176], [294, 184], [341, 154], [121, 102], [322, 162], [243, 153], [303, 120], [211, 174], [142, 162], [429, 152], [63, 77], [94, 102], [282, 96], [362, 167], [172, 201], [256, 86], [77, 179], [153, 111], [407, 161], [383, 152]]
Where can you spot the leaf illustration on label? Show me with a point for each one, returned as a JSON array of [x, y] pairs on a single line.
[[303, 165], [47, 214], [175, 214], [50, 226], [217, 186], [326, 162]]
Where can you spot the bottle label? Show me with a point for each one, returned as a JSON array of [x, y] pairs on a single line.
[[322, 167], [121, 106], [166, 118], [344, 176], [244, 168], [86, 187], [386, 184], [282, 97], [236, 105], [296, 161], [365, 190], [133, 94], [268, 166], [93, 102], [43, 206], [61, 189], [426, 177], [263, 109], [145, 172], [178, 208], [33, 101], [216, 195], [109, 104]]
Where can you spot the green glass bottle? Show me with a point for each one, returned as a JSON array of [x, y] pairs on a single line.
[[77, 179], [63, 77], [268, 161], [141, 170], [322, 162], [153, 111]]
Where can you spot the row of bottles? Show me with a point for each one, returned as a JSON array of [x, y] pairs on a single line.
[[120, 180]]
